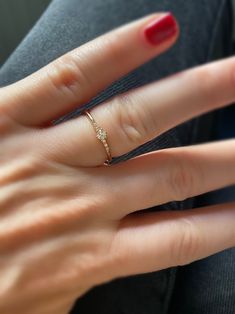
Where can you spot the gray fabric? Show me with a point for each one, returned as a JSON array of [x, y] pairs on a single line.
[[205, 28], [16, 18]]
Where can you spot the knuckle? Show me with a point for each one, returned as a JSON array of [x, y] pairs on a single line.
[[67, 75], [186, 246], [181, 178], [204, 80], [111, 44], [133, 122]]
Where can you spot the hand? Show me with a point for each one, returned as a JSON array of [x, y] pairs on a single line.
[[66, 224]]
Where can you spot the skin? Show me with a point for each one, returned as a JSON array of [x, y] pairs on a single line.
[[68, 224]]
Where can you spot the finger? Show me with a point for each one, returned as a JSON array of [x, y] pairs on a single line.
[[138, 116], [154, 241], [169, 175], [76, 77]]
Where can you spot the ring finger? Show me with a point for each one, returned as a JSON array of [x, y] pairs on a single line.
[[135, 117]]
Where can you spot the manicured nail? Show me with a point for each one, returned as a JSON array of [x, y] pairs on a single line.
[[161, 29], [47, 124]]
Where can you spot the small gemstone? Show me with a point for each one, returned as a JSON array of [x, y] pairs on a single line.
[[101, 134]]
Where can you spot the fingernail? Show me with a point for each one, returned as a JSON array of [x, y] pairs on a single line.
[[47, 124], [161, 29]]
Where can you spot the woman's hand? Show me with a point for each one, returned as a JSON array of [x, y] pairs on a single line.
[[67, 225]]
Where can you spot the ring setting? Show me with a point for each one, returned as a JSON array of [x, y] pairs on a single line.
[[101, 135]]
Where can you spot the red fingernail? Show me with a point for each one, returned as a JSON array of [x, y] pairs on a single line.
[[161, 29]]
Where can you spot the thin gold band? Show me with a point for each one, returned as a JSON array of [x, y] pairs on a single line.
[[101, 135]]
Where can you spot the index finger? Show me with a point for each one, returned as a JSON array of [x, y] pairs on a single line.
[[76, 77]]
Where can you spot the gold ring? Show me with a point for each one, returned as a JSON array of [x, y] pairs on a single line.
[[102, 136]]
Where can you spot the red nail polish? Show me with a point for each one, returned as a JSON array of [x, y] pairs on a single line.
[[161, 29], [47, 124]]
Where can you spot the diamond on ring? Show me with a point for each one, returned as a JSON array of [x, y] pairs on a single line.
[[101, 135]]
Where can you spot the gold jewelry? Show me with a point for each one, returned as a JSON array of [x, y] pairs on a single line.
[[102, 136]]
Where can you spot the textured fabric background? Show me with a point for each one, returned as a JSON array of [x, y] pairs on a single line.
[[16, 18], [205, 287]]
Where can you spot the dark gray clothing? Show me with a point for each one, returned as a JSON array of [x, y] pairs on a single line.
[[206, 286]]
